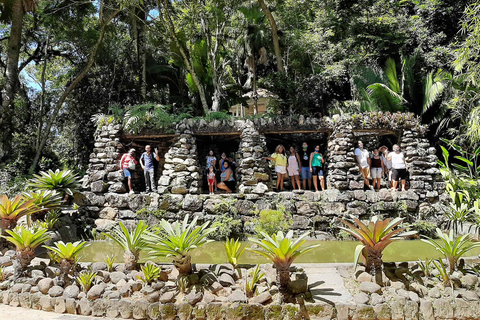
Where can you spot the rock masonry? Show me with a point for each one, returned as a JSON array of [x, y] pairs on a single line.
[[104, 199]]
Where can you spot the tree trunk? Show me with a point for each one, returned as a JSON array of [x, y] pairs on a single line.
[[375, 260], [188, 63], [130, 260], [141, 51], [212, 56], [183, 264], [283, 278], [11, 78], [23, 259], [67, 92], [66, 268], [254, 93], [273, 25]]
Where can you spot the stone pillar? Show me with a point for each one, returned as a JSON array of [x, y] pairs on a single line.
[[341, 162], [103, 172], [181, 174], [252, 170]]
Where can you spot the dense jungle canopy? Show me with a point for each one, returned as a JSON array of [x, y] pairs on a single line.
[[63, 62]]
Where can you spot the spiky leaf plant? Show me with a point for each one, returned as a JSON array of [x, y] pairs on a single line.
[[256, 276], [25, 241], [178, 239], [12, 210], [282, 250], [44, 199], [85, 279], [375, 237], [66, 182], [68, 254], [234, 250], [150, 272], [132, 242], [452, 247]]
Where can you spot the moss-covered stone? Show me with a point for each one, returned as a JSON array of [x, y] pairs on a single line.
[[291, 311], [214, 311], [382, 311], [184, 311], [274, 312], [320, 311], [153, 311], [168, 311], [253, 312], [364, 313], [235, 312]]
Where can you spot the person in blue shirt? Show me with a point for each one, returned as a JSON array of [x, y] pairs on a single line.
[[146, 161]]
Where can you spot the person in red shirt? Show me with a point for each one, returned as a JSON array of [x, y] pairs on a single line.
[[127, 165]]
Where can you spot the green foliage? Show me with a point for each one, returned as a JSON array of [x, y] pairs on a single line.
[[85, 279], [226, 226], [234, 251], [12, 210], [110, 261], [178, 238], [68, 251], [44, 199], [158, 213], [131, 241], [23, 238], [255, 277], [150, 272], [62, 181], [442, 271], [452, 248], [272, 221], [426, 266], [423, 227]]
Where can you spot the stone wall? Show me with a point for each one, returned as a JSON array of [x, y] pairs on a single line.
[[104, 199]]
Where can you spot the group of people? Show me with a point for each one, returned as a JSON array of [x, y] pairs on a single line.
[[227, 175], [128, 163], [304, 164], [382, 163]]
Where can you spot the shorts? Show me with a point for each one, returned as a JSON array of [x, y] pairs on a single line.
[[210, 182], [399, 174], [230, 184], [127, 173], [376, 173], [317, 171], [366, 172], [292, 171], [280, 169], [306, 174]]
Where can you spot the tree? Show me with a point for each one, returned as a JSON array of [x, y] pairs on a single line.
[[276, 44]]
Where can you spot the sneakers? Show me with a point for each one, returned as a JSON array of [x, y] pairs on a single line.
[[132, 192]]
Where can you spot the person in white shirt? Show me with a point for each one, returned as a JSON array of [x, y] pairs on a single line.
[[364, 162], [387, 164], [399, 167]]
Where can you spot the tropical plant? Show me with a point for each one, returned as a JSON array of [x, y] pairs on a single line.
[[44, 199], [452, 248], [256, 276], [177, 240], [110, 260], [375, 237], [234, 251], [150, 272], [227, 226], [426, 266], [272, 221], [282, 250], [132, 242], [183, 283], [85, 279], [25, 241], [66, 182], [67, 254], [442, 271], [12, 210]]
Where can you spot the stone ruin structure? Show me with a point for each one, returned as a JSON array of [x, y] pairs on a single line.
[[180, 172]]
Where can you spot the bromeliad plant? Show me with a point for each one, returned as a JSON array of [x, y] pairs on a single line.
[[177, 240], [256, 276], [63, 181], [282, 250], [67, 254], [234, 251], [132, 242], [25, 241], [12, 210], [45, 200], [375, 237], [150, 272], [85, 279], [452, 248]]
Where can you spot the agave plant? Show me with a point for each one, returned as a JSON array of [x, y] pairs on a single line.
[[25, 241], [12, 210], [375, 237], [452, 248], [282, 250], [130, 241], [67, 254], [234, 251], [178, 239], [63, 181]]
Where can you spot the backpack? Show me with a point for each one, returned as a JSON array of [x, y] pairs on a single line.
[[131, 165]]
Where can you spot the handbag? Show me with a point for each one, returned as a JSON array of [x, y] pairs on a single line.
[[131, 165]]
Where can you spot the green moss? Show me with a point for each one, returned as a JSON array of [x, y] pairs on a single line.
[[168, 311], [235, 312], [184, 311], [159, 213], [274, 312], [291, 311], [214, 311], [365, 313]]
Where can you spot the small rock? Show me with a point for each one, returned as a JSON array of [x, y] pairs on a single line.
[[192, 298], [237, 296], [96, 291], [26, 287], [369, 287], [136, 286], [52, 272], [17, 288], [375, 299], [262, 298], [158, 285], [112, 295], [364, 277], [469, 281], [215, 287], [5, 261], [44, 285], [116, 276], [470, 296], [209, 297], [99, 266], [273, 290], [434, 293], [361, 298], [4, 285], [167, 297], [226, 280], [153, 297], [397, 285], [55, 291], [71, 292], [413, 296], [125, 289]]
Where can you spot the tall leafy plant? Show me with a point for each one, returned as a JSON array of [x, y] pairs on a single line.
[[66, 182], [67, 254], [11, 210]]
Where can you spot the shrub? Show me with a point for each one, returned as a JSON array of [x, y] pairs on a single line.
[[272, 221], [63, 181], [227, 226], [234, 252], [67, 254]]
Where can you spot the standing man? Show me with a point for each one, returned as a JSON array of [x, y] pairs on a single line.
[[146, 161], [364, 163], [305, 162]]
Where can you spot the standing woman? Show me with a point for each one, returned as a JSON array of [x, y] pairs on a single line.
[[280, 165], [316, 165], [399, 167], [377, 169], [294, 168]]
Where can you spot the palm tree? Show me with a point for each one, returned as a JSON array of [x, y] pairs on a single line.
[[25, 241], [130, 241]]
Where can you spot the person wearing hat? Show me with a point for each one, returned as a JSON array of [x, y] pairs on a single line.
[[127, 165]]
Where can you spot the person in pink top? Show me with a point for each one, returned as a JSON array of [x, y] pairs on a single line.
[[127, 165]]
